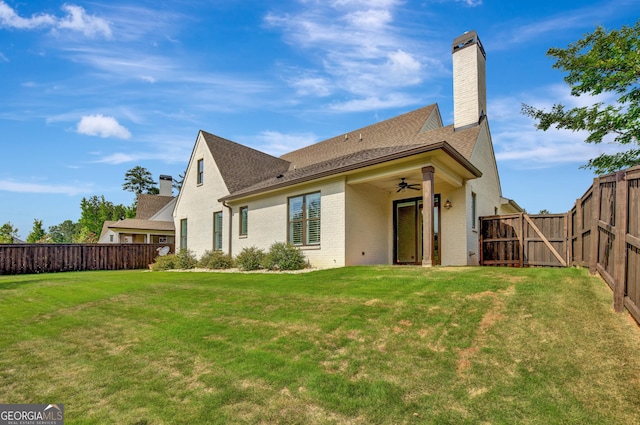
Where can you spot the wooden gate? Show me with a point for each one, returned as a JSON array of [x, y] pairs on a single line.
[[522, 240]]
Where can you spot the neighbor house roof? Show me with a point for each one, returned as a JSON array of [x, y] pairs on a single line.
[[139, 224], [149, 205]]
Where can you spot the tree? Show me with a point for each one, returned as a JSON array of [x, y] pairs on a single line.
[[64, 232], [38, 233], [177, 183], [94, 212], [601, 62], [139, 180], [8, 233]]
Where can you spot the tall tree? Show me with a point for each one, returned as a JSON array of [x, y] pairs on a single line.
[[63, 232], [8, 233], [94, 212], [601, 62], [38, 233], [139, 180], [177, 183]]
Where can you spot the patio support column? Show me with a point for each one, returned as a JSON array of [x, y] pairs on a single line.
[[427, 216]]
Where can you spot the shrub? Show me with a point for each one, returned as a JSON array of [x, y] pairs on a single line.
[[284, 256], [167, 262], [250, 258], [185, 259], [215, 260]]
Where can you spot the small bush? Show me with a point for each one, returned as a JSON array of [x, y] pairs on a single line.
[[250, 258], [185, 259], [215, 260], [284, 256], [167, 262]]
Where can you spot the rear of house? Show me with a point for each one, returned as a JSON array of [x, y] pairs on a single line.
[[384, 194]]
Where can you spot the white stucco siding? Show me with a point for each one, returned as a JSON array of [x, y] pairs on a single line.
[[368, 221], [198, 202], [453, 225], [268, 215]]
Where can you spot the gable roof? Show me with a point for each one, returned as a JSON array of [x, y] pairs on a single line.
[[241, 166], [247, 171], [397, 131], [149, 205]]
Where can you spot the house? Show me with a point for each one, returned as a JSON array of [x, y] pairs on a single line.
[[153, 222], [382, 194]]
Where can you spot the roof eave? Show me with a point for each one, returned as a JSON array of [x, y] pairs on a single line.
[[444, 146]]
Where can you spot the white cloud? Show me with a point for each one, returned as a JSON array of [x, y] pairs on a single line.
[[76, 19], [21, 187], [99, 125], [516, 139], [309, 85], [394, 100], [9, 18], [359, 48], [276, 143]]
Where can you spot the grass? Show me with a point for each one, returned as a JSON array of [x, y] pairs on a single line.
[[355, 345]]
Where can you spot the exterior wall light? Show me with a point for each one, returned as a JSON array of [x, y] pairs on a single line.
[[448, 204]]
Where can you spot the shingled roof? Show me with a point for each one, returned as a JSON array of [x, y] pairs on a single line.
[[138, 224], [241, 166], [149, 205], [247, 171], [398, 131]]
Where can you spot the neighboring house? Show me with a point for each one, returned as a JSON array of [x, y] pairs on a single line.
[[356, 198], [153, 222]]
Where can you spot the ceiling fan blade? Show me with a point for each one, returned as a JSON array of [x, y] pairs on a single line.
[[399, 189], [413, 188]]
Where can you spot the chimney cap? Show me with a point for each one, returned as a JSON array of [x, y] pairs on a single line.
[[165, 177], [469, 38]]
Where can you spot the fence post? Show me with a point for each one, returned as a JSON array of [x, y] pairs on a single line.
[[521, 236], [578, 231], [620, 266], [595, 226]]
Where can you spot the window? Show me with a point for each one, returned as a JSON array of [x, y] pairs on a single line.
[[473, 210], [183, 233], [244, 223], [217, 231], [304, 219], [200, 171]]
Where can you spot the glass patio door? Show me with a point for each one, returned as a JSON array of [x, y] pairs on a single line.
[[408, 231]]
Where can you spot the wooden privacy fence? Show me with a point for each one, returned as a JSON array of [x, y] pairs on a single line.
[[605, 235], [523, 240], [601, 232], [45, 258]]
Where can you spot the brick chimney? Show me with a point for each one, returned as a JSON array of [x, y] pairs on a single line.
[[469, 80], [166, 186]]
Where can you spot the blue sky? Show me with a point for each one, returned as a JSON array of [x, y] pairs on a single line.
[[92, 89]]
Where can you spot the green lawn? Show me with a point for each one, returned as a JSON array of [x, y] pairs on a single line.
[[358, 345]]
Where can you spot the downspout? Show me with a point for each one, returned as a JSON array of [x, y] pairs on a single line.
[[224, 203]]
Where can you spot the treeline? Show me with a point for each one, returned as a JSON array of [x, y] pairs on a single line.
[[94, 211]]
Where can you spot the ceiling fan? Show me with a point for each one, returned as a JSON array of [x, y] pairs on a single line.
[[404, 185]]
